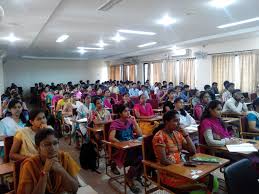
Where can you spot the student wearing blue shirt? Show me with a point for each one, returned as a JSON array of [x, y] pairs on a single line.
[[253, 118], [185, 95]]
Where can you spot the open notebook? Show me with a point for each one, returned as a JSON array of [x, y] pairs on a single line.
[[191, 128], [242, 148]]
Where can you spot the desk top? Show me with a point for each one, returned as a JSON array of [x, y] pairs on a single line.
[[230, 119], [6, 168], [158, 110], [96, 129], [224, 148], [156, 118], [195, 173], [125, 144]]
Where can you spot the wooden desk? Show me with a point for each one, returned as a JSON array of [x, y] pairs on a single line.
[[230, 119], [6, 168], [96, 129], [156, 118], [123, 145], [205, 168], [158, 110], [224, 148], [231, 114]]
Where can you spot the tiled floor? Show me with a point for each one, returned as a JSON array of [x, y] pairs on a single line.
[[99, 182]]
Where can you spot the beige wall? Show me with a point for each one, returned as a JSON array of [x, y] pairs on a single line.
[[26, 72]]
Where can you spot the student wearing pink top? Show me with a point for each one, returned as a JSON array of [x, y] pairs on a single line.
[[108, 100], [143, 110]]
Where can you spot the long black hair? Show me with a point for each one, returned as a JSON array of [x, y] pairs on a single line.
[[212, 105], [12, 104], [33, 114], [182, 111]]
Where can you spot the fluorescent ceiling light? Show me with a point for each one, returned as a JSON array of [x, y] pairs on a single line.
[[82, 51], [166, 20], [137, 32], [108, 5], [118, 38], [101, 44], [173, 48], [221, 3], [239, 23], [147, 44], [11, 38], [89, 48], [179, 52], [62, 38]]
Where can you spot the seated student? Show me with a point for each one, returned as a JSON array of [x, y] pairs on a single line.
[[168, 144], [114, 89], [178, 90], [214, 88], [235, 104], [196, 98], [162, 94], [134, 91], [200, 107], [88, 102], [100, 115], [212, 129], [144, 90], [108, 100], [144, 110], [24, 144], [122, 130], [253, 118], [126, 101], [51, 171], [185, 94], [169, 104], [207, 88], [63, 101], [227, 94], [185, 118], [90, 91], [10, 124]]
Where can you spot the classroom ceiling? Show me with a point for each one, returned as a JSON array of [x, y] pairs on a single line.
[[38, 23]]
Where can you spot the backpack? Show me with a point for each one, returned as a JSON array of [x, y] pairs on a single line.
[[88, 156]]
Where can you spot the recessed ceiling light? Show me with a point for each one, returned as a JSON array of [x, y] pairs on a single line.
[[11, 38], [89, 48], [166, 20], [101, 44], [82, 51], [147, 44], [137, 32], [62, 38], [173, 48], [118, 38], [239, 23], [221, 3]]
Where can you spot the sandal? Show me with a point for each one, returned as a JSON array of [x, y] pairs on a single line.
[[133, 188], [143, 183]]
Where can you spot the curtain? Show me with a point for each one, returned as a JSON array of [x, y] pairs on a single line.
[[115, 72], [187, 72], [223, 69], [157, 72], [129, 72], [170, 67], [248, 80], [132, 73]]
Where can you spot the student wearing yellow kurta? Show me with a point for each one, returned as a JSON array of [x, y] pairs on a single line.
[[24, 144], [51, 171]]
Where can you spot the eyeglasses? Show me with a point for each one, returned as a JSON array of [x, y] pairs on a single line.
[[49, 144]]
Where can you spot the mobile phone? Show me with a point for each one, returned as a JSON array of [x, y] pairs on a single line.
[[189, 164], [252, 142]]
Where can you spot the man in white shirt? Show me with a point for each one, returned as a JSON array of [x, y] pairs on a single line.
[[134, 92], [235, 104], [228, 93]]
